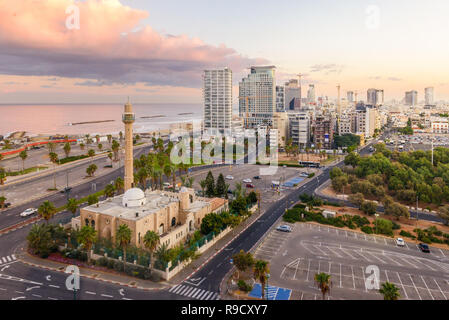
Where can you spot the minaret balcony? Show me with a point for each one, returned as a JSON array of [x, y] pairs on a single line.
[[128, 117]]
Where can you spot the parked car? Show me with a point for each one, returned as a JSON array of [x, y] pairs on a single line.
[[229, 177], [230, 191], [284, 228], [400, 242], [250, 185], [28, 212], [257, 177], [6, 205], [304, 174], [424, 247], [66, 190], [247, 180]]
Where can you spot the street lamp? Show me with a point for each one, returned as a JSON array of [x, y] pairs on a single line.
[[376, 215]]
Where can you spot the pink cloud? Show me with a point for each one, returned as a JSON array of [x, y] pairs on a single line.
[[34, 40]]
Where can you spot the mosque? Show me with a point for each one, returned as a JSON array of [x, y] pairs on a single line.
[[172, 215]]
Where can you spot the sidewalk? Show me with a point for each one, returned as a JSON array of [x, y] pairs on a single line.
[[109, 277]]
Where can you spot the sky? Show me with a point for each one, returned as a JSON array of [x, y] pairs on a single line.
[[155, 51]]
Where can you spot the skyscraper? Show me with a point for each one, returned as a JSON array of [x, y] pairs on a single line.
[[280, 98], [311, 94], [350, 96], [375, 97], [292, 99], [217, 95], [257, 97], [411, 98], [128, 119], [429, 96]]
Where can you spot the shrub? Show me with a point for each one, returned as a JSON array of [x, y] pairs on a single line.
[[383, 226], [367, 229], [110, 264], [407, 234], [368, 207], [103, 262], [118, 266], [243, 286]]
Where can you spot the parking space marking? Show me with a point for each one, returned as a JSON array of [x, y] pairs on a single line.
[[308, 271], [416, 289], [364, 279], [359, 253], [316, 247], [440, 289], [397, 263], [403, 289], [376, 257], [353, 280], [334, 252], [427, 287], [348, 253], [340, 275], [386, 274]]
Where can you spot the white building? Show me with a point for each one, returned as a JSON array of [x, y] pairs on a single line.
[[311, 94], [411, 98], [299, 128], [440, 126], [257, 97], [217, 94], [429, 96]]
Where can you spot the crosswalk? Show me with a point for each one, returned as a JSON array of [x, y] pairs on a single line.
[[7, 259], [194, 293]]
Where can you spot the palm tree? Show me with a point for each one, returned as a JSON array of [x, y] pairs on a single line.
[[54, 158], [115, 148], [72, 206], [23, 155], [119, 184], [100, 146], [67, 149], [82, 145], [87, 236], [91, 154], [2, 176], [2, 201], [91, 170], [389, 291], [110, 155], [203, 184], [109, 136], [167, 172], [38, 238], [121, 135], [260, 272], [151, 240], [51, 147], [123, 237], [324, 283], [109, 191], [46, 210], [97, 137]]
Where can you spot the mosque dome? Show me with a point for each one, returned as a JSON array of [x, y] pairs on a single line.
[[183, 189], [134, 197]]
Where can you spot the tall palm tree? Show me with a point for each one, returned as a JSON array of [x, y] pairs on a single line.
[[72, 206], [87, 236], [67, 148], [151, 240], [46, 210], [324, 283], [115, 148], [2, 201], [109, 190], [2, 176], [91, 154], [53, 158], [167, 172], [51, 147], [38, 238], [203, 184], [120, 135], [109, 136], [123, 237], [97, 137], [389, 291], [110, 155], [260, 272], [23, 155], [119, 184]]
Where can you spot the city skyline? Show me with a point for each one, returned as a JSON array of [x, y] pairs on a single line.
[[155, 52]]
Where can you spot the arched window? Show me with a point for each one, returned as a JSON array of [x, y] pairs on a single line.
[[86, 222], [191, 225], [92, 223], [161, 229], [173, 222]]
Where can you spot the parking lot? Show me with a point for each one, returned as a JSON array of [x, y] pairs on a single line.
[[248, 171], [309, 249]]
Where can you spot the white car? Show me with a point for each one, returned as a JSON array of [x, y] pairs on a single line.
[[229, 177], [28, 212], [400, 242], [247, 180], [284, 228]]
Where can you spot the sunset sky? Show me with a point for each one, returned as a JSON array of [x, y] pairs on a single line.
[[155, 51]]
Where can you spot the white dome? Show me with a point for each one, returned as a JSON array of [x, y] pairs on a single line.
[[133, 198], [184, 189]]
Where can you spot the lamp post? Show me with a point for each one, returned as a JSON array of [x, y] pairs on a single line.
[[376, 215]]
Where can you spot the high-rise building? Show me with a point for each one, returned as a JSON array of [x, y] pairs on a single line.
[[128, 119], [411, 98], [292, 95], [299, 128], [350, 96], [257, 97], [375, 97], [429, 96], [217, 95], [311, 94], [323, 134], [280, 97]]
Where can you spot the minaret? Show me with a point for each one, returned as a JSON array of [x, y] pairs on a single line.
[[128, 119]]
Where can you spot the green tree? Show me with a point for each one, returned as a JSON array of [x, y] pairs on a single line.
[[54, 159], [352, 159], [72, 206], [100, 146], [115, 149], [91, 170], [339, 182], [221, 186], [23, 155], [2, 201], [119, 184], [91, 153], [123, 237], [357, 199], [203, 184], [368, 207], [67, 148], [110, 156], [109, 190], [210, 184], [242, 261], [82, 146], [46, 210], [389, 291], [39, 239], [443, 213], [87, 236], [151, 241], [260, 272], [324, 283], [2, 176], [92, 199], [109, 137]]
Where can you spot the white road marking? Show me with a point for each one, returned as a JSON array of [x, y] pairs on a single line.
[[403, 289], [107, 296], [353, 280], [410, 276], [308, 271], [54, 286], [340, 275], [92, 293], [440, 289], [427, 287]]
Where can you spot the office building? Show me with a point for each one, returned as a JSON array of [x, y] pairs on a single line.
[[280, 97], [323, 133], [292, 100], [257, 97], [350, 96], [217, 95], [311, 94], [299, 128], [411, 98], [428, 96]]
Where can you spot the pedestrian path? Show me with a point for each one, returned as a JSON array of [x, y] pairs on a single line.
[[194, 293], [271, 293], [7, 259]]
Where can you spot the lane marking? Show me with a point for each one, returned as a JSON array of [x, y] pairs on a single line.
[[410, 276]]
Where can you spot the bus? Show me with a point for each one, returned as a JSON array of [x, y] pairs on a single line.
[[309, 164]]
